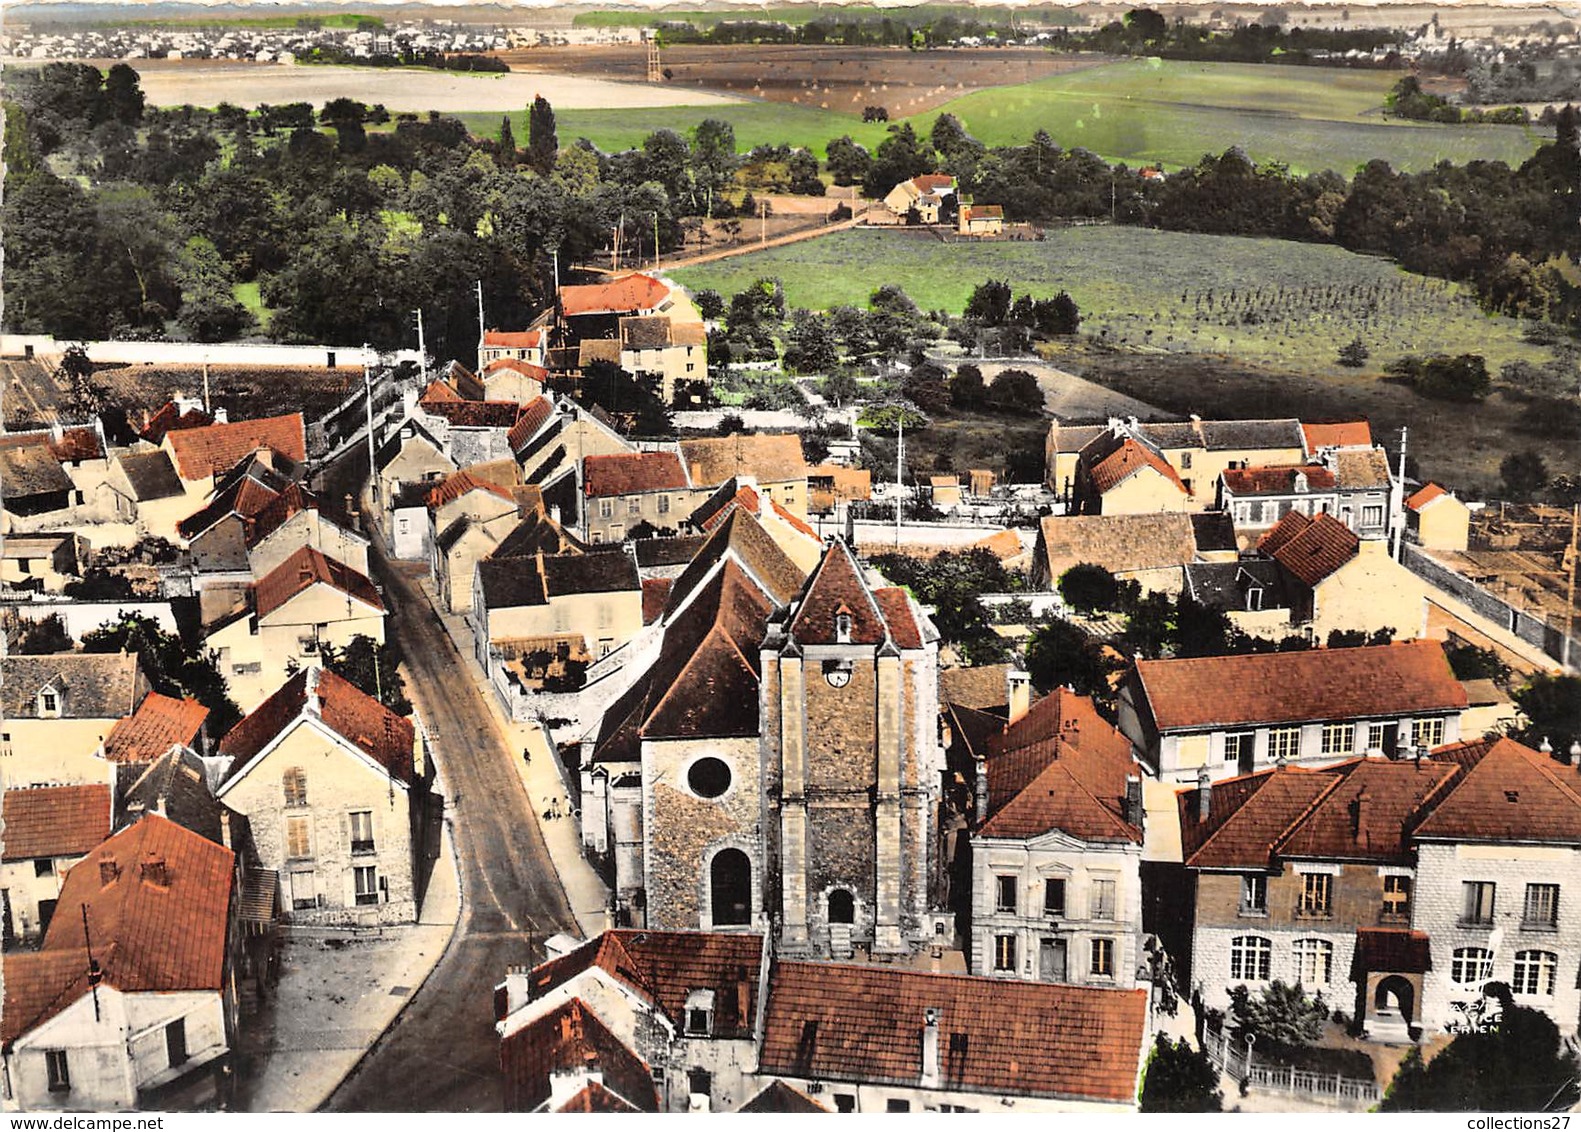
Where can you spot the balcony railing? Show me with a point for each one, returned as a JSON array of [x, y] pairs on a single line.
[[360, 847]]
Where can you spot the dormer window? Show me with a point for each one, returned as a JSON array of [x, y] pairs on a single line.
[[842, 628], [1301, 481], [1254, 599], [49, 703], [700, 1014]]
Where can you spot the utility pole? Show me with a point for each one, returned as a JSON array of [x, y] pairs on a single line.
[[1397, 501], [763, 222], [482, 326], [555, 253], [367, 389], [900, 448], [207, 411], [655, 239], [1570, 590], [422, 348]]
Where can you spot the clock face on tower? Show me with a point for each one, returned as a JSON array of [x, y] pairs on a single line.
[[838, 673]]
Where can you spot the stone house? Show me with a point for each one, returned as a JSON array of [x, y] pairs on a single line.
[[517, 345], [411, 461], [44, 561], [48, 829], [202, 455], [795, 536], [1353, 485], [551, 439], [664, 353], [926, 194], [55, 478], [294, 519], [1399, 890], [1150, 550], [305, 604], [629, 490], [58, 709], [684, 1004], [469, 432], [149, 1022], [146, 490], [1336, 581], [331, 784], [1227, 716], [981, 220], [468, 514], [590, 603], [774, 461], [1056, 845], [513, 379]]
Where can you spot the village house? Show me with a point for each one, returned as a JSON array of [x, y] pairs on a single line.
[[512, 379], [150, 1020], [410, 462], [892, 1039], [793, 534], [59, 707], [1056, 843], [146, 490], [634, 490], [1437, 519], [551, 439], [511, 345], [468, 431], [926, 199], [201, 455], [1226, 716], [664, 353], [296, 518], [331, 785], [1398, 890], [47, 830], [468, 514], [831, 488], [589, 603], [1337, 582], [43, 562], [1142, 475], [159, 723], [216, 536], [1150, 550], [981, 220], [306, 604], [773, 460], [1250, 592], [1353, 485], [682, 1004]]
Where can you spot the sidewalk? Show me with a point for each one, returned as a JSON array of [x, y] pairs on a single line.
[[585, 891], [339, 990]]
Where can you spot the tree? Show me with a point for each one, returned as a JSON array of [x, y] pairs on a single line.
[[713, 162], [1552, 706], [99, 584], [840, 388], [373, 668], [803, 171], [1524, 473], [543, 144], [990, 303], [849, 162], [1520, 1065], [812, 347], [899, 157], [925, 384], [1354, 353], [710, 304], [210, 311], [1280, 1016], [507, 157], [1145, 25], [1468, 662], [25, 637], [1061, 655], [1180, 1078], [1016, 390], [1087, 588], [172, 669], [123, 95], [967, 390]]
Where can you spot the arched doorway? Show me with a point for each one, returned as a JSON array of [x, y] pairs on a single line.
[[730, 888], [842, 907], [1395, 998]]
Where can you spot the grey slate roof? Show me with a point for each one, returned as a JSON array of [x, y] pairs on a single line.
[[1253, 434], [31, 470], [93, 685], [1214, 530], [151, 475], [1224, 585]]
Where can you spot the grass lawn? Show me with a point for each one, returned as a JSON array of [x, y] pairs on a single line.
[[1268, 301], [247, 295], [806, 13], [1169, 112]]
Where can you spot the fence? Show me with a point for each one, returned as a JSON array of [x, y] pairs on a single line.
[[1239, 1062], [1534, 629]]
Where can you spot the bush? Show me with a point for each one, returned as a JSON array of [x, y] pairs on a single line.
[[1443, 378], [1354, 353], [1088, 588], [1179, 1078]]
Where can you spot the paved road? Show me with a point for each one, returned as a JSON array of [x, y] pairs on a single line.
[[442, 1054]]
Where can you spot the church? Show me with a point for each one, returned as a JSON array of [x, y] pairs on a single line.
[[777, 765]]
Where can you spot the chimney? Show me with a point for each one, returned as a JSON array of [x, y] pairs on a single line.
[[225, 828], [154, 871], [1133, 800], [554, 514], [353, 514], [221, 416], [980, 791], [1019, 693], [1575, 753], [514, 993], [1358, 814], [1204, 795], [930, 1048]]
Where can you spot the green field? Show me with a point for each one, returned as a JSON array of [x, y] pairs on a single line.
[[1138, 111], [350, 20], [796, 14], [247, 295], [1268, 301]]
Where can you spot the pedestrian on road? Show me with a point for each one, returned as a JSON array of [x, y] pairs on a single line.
[[526, 756]]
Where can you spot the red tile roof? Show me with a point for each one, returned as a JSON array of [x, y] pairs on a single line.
[[307, 567], [1059, 767], [202, 452], [655, 595], [1345, 434], [159, 723], [791, 519], [512, 339], [1399, 950], [1247, 816], [438, 392], [516, 365], [169, 418], [38, 986], [636, 292], [1426, 495], [1376, 681], [476, 414], [777, 1096], [895, 604], [1277, 480], [156, 929], [54, 821], [843, 1022], [462, 482], [569, 1038], [594, 1097], [932, 182], [1367, 813], [837, 587], [625, 473], [344, 708], [1125, 461], [768, 458], [1510, 793], [276, 512], [1310, 549], [534, 415], [667, 967]]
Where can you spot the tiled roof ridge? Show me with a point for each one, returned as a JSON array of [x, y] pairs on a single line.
[[1263, 778], [1056, 768], [1341, 772]]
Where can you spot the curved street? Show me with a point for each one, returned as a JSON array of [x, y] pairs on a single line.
[[441, 1053]]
